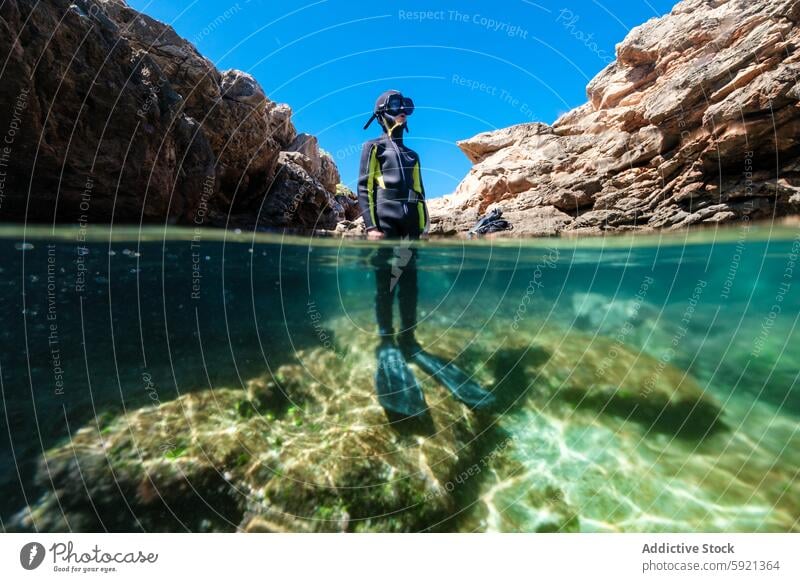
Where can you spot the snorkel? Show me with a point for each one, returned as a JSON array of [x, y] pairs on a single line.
[[385, 121]]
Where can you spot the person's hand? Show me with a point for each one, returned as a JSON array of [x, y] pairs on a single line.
[[375, 234]]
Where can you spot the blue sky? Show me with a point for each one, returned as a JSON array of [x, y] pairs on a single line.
[[469, 66]]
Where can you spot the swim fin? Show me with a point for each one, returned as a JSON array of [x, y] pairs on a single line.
[[454, 379], [397, 388]]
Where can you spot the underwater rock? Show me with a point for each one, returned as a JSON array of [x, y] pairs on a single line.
[[117, 115], [593, 472], [694, 123], [601, 436], [589, 435], [603, 377], [608, 315], [306, 449]]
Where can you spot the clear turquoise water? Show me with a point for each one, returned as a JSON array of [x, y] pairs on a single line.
[[136, 316]]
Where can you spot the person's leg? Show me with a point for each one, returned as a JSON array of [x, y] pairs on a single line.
[[407, 293], [407, 281], [384, 291], [389, 221], [397, 388]]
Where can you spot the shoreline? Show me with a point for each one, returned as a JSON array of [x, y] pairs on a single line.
[[784, 228]]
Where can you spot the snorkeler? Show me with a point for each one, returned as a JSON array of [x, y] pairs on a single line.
[[392, 201]]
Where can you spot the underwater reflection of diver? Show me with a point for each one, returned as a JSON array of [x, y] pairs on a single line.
[[392, 201]]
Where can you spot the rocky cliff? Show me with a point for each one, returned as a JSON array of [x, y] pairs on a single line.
[[696, 122], [108, 114]]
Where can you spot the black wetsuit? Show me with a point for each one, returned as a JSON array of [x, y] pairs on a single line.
[[390, 190], [392, 199]]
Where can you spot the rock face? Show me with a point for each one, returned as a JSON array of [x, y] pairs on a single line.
[[114, 116], [696, 122], [305, 191]]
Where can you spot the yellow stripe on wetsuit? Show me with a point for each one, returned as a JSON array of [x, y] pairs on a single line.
[[418, 189], [373, 174], [415, 177]]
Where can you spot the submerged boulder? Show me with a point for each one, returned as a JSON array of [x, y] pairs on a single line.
[[584, 470], [588, 435], [604, 437], [307, 448]]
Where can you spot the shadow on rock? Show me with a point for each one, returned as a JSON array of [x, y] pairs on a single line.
[[514, 382]]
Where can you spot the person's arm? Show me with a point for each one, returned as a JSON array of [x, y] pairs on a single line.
[[367, 185]]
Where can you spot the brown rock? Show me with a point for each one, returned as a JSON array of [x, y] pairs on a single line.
[[118, 117], [685, 127], [298, 199], [316, 162]]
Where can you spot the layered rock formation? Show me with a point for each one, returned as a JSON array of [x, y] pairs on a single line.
[[112, 115], [696, 122]]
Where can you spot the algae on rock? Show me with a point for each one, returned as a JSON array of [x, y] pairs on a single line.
[[589, 435]]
